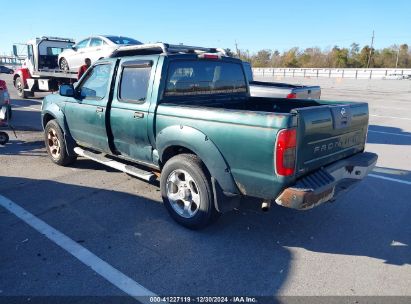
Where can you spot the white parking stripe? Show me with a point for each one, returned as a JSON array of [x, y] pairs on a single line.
[[390, 133], [101, 267], [391, 108], [390, 179], [393, 117]]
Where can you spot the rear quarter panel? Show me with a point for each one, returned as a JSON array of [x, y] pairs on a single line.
[[244, 139]]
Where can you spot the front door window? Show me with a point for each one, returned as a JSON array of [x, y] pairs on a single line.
[[95, 86]]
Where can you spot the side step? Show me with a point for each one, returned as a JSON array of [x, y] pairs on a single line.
[[145, 175]]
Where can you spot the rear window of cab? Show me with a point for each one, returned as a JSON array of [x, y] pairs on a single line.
[[204, 77]]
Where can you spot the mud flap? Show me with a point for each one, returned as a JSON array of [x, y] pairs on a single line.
[[224, 202]]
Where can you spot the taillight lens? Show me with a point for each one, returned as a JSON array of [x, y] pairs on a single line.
[[285, 152], [291, 96]]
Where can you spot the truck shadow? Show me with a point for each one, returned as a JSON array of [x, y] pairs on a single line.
[[19, 103], [388, 135], [245, 252], [23, 148], [23, 120]]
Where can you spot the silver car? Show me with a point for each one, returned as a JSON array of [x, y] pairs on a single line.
[[95, 48]]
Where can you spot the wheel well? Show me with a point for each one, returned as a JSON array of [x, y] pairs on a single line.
[[47, 117], [171, 151]]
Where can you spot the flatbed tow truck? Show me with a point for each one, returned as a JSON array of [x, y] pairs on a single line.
[[40, 71]]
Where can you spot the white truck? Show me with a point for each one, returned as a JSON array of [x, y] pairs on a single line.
[[40, 71], [278, 89]]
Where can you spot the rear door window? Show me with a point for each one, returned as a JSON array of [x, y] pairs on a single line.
[[134, 82], [96, 42]]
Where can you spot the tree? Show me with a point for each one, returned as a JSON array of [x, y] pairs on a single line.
[[353, 60], [363, 57], [404, 56], [339, 57], [290, 58], [276, 59], [262, 58]]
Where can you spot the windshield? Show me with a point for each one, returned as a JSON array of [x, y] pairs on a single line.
[[122, 40], [204, 77]]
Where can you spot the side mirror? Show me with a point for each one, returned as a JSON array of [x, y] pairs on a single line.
[[15, 50], [73, 48], [67, 90]]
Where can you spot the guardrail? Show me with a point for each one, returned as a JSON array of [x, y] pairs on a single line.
[[328, 73]]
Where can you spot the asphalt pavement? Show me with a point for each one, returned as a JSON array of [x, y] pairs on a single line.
[[88, 230]]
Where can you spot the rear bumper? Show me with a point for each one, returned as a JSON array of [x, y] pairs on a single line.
[[327, 183]]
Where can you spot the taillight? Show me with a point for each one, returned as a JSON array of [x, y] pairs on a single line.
[[291, 96], [285, 152]]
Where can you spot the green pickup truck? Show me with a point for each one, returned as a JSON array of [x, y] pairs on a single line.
[[184, 115]]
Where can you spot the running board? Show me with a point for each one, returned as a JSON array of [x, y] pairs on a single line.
[[139, 173]]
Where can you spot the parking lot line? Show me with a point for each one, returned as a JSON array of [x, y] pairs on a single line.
[[390, 179], [393, 117], [85, 256], [390, 133]]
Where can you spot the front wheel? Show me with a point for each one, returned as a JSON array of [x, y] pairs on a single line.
[[186, 191], [56, 145]]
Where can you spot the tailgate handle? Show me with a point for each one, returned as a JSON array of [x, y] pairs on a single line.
[[138, 115]]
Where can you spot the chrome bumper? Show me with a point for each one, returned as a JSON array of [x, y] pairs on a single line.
[[327, 183]]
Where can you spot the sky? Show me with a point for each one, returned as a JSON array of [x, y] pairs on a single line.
[[254, 25]]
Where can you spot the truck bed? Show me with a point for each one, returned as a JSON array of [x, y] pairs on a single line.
[[326, 130], [282, 90]]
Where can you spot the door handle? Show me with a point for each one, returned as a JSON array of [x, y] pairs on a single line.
[[138, 115], [99, 109]]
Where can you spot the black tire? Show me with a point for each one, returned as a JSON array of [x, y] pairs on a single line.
[[205, 212], [64, 64], [4, 138], [19, 85], [57, 151]]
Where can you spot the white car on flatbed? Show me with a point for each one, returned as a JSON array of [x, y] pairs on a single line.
[[95, 48]]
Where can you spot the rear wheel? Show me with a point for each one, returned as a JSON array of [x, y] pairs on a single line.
[[186, 191], [56, 145], [64, 64]]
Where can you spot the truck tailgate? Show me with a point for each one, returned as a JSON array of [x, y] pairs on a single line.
[[307, 92], [328, 133]]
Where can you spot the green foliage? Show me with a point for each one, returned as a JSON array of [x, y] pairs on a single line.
[[352, 57]]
